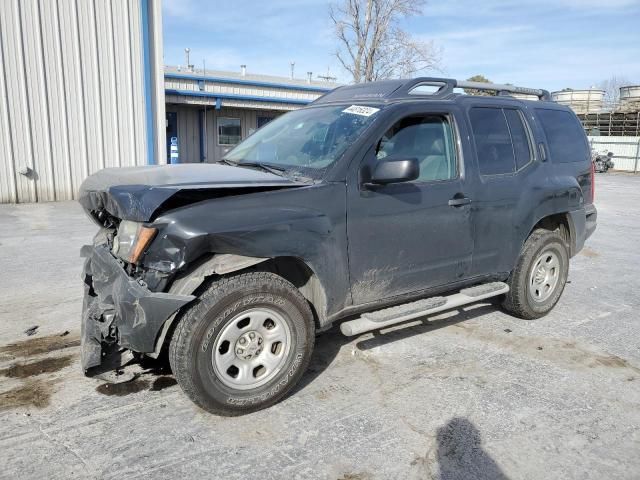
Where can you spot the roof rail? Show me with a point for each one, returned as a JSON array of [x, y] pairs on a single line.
[[502, 89], [398, 89]]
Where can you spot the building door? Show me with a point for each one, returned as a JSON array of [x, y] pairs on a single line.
[[172, 132]]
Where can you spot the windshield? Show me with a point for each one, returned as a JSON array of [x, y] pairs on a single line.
[[305, 142]]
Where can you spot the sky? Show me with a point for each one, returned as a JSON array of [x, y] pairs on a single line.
[[550, 44]]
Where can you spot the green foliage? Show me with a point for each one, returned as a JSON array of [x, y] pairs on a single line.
[[473, 91]]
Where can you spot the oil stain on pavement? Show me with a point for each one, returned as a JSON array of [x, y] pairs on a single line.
[[31, 369], [40, 345], [37, 384], [135, 385]]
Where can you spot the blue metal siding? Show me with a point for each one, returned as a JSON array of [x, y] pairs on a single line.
[[252, 83], [147, 70], [253, 98]]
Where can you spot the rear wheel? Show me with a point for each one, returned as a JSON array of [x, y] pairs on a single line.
[[538, 280], [244, 344]]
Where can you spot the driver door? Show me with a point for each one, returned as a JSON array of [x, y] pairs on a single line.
[[410, 236]]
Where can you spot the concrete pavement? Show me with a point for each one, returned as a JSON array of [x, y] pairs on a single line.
[[469, 394]]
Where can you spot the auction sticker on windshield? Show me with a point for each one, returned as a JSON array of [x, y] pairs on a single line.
[[361, 110]]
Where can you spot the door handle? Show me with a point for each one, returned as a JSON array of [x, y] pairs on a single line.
[[459, 202]]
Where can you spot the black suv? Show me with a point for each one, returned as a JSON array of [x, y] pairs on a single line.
[[380, 202]]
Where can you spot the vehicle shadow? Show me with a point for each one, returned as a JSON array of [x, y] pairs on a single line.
[[460, 454], [329, 343]]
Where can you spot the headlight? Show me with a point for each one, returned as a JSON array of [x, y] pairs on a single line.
[[132, 239]]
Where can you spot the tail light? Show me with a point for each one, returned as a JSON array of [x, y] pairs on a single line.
[[593, 182]]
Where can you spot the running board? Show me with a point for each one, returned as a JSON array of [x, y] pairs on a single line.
[[409, 311]]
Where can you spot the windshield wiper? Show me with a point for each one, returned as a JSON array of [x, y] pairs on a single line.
[[268, 168], [280, 171], [228, 162]]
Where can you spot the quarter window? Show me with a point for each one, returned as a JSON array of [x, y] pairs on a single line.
[[427, 138], [229, 131], [565, 136]]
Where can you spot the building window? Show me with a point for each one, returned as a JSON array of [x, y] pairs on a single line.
[[229, 131], [262, 121]]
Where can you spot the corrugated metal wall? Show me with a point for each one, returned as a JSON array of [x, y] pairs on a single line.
[[626, 151], [72, 97]]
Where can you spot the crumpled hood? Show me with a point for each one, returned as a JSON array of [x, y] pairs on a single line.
[[135, 193]]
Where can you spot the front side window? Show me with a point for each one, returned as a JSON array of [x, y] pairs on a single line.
[[229, 131], [308, 140], [429, 139]]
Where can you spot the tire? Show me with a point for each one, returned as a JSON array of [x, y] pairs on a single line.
[[532, 289], [255, 325]]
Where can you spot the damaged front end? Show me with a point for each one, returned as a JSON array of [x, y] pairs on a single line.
[[119, 311]]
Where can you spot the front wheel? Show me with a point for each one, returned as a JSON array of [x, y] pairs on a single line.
[[538, 280], [244, 344]]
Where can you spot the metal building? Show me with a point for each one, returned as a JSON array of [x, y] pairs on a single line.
[[208, 112], [81, 88]]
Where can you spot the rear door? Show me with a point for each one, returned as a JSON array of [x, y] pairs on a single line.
[[407, 237], [503, 144]]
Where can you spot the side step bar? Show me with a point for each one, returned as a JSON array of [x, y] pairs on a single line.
[[409, 311]]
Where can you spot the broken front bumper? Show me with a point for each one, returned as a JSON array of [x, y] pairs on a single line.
[[118, 310]]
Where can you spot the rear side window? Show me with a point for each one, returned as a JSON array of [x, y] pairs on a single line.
[[519, 138], [565, 136], [493, 141]]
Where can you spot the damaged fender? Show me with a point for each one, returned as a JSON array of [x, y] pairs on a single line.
[[119, 309], [187, 283]]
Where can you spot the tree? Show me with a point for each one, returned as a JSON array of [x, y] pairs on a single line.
[[473, 91], [372, 46], [611, 88]]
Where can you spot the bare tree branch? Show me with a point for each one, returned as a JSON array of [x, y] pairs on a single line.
[[372, 46], [611, 88]]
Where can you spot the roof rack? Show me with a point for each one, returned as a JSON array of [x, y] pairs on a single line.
[[403, 89], [506, 89]]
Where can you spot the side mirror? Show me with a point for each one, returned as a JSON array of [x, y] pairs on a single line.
[[395, 170]]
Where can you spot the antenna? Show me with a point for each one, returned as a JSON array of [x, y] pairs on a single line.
[[327, 77]]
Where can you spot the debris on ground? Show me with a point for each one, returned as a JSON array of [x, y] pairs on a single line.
[[31, 330]]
